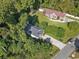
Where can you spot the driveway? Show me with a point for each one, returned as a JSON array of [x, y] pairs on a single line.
[[65, 52], [72, 16], [53, 41]]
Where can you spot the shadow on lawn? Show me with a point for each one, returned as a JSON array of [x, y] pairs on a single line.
[[33, 20]]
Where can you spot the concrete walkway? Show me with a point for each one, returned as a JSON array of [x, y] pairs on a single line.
[[53, 41]]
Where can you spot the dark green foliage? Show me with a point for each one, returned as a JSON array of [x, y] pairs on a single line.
[[36, 4], [7, 10], [2, 47], [14, 15], [14, 43], [33, 20]]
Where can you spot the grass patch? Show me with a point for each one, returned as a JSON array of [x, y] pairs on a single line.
[[43, 18], [68, 33]]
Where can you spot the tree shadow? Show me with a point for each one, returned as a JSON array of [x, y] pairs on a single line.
[[33, 20], [36, 4], [4, 25]]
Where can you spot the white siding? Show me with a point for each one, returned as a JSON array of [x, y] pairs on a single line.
[[53, 15]]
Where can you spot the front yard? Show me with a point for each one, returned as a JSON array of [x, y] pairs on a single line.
[[56, 29]]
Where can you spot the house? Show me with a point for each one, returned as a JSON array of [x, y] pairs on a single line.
[[34, 31], [57, 15], [53, 14]]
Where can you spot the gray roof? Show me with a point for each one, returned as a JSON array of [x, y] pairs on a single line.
[[33, 30]]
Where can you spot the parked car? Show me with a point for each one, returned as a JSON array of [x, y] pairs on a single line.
[[47, 39]]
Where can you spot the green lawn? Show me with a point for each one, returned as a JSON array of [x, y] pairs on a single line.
[[42, 18], [68, 34]]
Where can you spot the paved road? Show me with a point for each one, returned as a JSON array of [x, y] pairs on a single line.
[[65, 49], [53, 41], [65, 52]]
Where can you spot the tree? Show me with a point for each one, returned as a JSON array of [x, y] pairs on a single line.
[[6, 10], [22, 4], [2, 49], [14, 43], [36, 4], [15, 48], [22, 21]]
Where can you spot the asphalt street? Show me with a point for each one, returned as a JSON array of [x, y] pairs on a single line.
[[65, 52]]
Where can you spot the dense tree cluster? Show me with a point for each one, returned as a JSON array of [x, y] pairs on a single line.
[[68, 6], [14, 43]]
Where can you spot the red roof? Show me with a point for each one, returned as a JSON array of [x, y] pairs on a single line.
[[57, 13]]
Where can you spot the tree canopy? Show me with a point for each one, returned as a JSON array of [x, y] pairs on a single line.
[[14, 16]]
